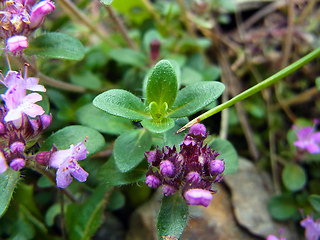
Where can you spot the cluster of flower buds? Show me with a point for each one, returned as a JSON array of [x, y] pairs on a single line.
[[193, 170], [19, 18], [66, 163], [16, 128]]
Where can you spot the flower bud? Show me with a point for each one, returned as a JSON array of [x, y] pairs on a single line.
[[17, 147], [217, 167], [17, 43], [154, 49], [43, 158], [198, 129], [17, 164], [166, 168], [152, 156], [2, 128], [45, 120], [193, 177], [39, 12], [198, 196], [168, 190], [153, 181]]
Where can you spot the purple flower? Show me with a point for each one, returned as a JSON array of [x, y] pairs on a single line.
[[39, 12], [17, 43], [66, 163], [308, 139], [16, 100], [193, 170], [17, 103], [198, 197], [312, 231]]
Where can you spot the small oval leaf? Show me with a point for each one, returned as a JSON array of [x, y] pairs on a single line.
[[162, 85], [282, 207], [56, 45], [195, 97], [109, 174], [102, 121], [129, 148], [293, 177], [8, 182], [63, 138], [172, 218], [121, 103], [315, 202], [128, 56]]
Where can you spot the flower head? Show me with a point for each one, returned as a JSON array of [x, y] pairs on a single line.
[[66, 163], [308, 139], [312, 227], [193, 170]]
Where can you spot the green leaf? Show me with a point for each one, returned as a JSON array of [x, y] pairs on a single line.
[[195, 97], [63, 138], [228, 153], [110, 175], [170, 138], [315, 202], [190, 76], [148, 37], [135, 10], [129, 148], [158, 127], [294, 177], [8, 182], [52, 212], [56, 45], [116, 201], [162, 85], [106, 2], [83, 221], [86, 79], [128, 56], [121, 103], [172, 218], [282, 207], [102, 121]]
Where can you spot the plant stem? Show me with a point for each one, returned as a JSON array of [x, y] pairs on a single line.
[[257, 88], [51, 177], [73, 9], [120, 26]]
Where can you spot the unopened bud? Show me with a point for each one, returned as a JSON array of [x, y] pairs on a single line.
[[153, 181], [198, 129], [17, 164], [151, 156], [17, 43], [2, 128], [168, 190], [45, 120], [154, 49], [17, 147], [167, 168], [217, 167], [39, 12], [193, 177]]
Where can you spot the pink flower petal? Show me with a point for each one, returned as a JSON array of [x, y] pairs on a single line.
[[32, 84], [79, 174], [13, 114], [313, 148], [63, 177]]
